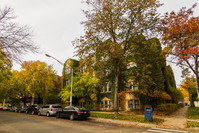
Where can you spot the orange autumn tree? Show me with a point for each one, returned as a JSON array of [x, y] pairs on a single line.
[[189, 84], [181, 38]]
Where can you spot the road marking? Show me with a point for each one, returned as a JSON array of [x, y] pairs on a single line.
[[162, 130]]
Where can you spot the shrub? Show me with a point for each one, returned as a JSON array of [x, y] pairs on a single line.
[[167, 108]]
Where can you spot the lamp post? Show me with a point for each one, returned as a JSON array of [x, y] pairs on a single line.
[[71, 91]]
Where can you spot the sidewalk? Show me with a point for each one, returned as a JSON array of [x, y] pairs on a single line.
[[175, 121]]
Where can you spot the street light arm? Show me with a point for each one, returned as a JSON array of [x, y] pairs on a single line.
[[55, 59]]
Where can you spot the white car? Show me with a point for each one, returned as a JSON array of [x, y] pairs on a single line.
[[49, 110]]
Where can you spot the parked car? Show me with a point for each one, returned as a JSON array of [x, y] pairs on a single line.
[[21, 109], [1, 107], [33, 109], [72, 113], [7, 107], [49, 110], [13, 108]]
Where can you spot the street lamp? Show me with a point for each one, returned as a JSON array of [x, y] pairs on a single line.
[[54, 59], [71, 92]]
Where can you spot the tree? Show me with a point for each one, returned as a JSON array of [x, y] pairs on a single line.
[[180, 36], [109, 29], [15, 40], [189, 84], [149, 71], [40, 78], [5, 74], [85, 86]]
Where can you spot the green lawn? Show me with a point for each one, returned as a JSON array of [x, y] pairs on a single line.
[[133, 118], [193, 113], [192, 124]]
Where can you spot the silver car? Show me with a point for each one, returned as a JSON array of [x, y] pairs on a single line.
[[49, 110]]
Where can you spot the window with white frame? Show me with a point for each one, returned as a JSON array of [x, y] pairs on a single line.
[[107, 88], [130, 104], [83, 69], [133, 104], [137, 104], [132, 86], [67, 81], [67, 70], [106, 104]]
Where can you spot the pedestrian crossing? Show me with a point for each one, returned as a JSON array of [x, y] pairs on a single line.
[[162, 130]]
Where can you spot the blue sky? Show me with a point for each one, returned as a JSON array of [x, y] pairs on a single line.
[[56, 23]]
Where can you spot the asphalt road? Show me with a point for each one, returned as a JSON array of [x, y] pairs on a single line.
[[11, 122]]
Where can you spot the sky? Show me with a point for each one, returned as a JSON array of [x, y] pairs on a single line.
[[56, 23]]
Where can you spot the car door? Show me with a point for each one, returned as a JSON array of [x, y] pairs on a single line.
[[42, 110], [46, 109]]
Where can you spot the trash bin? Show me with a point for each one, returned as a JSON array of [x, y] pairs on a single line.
[[148, 114]]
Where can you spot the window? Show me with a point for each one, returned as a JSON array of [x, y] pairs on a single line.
[[109, 85], [132, 86], [106, 104], [83, 69], [133, 104], [67, 70], [107, 88], [67, 81], [137, 104], [130, 104]]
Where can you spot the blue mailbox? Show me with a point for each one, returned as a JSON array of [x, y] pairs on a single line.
[[148, 113]]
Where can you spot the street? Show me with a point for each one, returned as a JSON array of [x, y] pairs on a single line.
[[11, 122]]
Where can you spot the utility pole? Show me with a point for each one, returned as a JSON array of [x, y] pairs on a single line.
[[71, 91]]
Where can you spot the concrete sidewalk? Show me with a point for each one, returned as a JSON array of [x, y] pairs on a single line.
[[175, 121]]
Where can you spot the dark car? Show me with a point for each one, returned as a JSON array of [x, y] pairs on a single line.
[[72, 113], [33, 109], [21, 109]]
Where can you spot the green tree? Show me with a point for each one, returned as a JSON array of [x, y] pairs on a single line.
[[148, 71], [5, 74], [85, 86], [109, 29]]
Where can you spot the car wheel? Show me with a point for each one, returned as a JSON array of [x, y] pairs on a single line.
[[48, 114], [33, 112], [85, 118], [72, 117], [57, 115], [39, 113]]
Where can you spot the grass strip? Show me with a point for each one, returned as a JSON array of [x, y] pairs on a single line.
[[191, 124], [132, 118], [193, 113]]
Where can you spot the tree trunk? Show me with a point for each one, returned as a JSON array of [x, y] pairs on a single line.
[[44, 93], [116, 88]]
